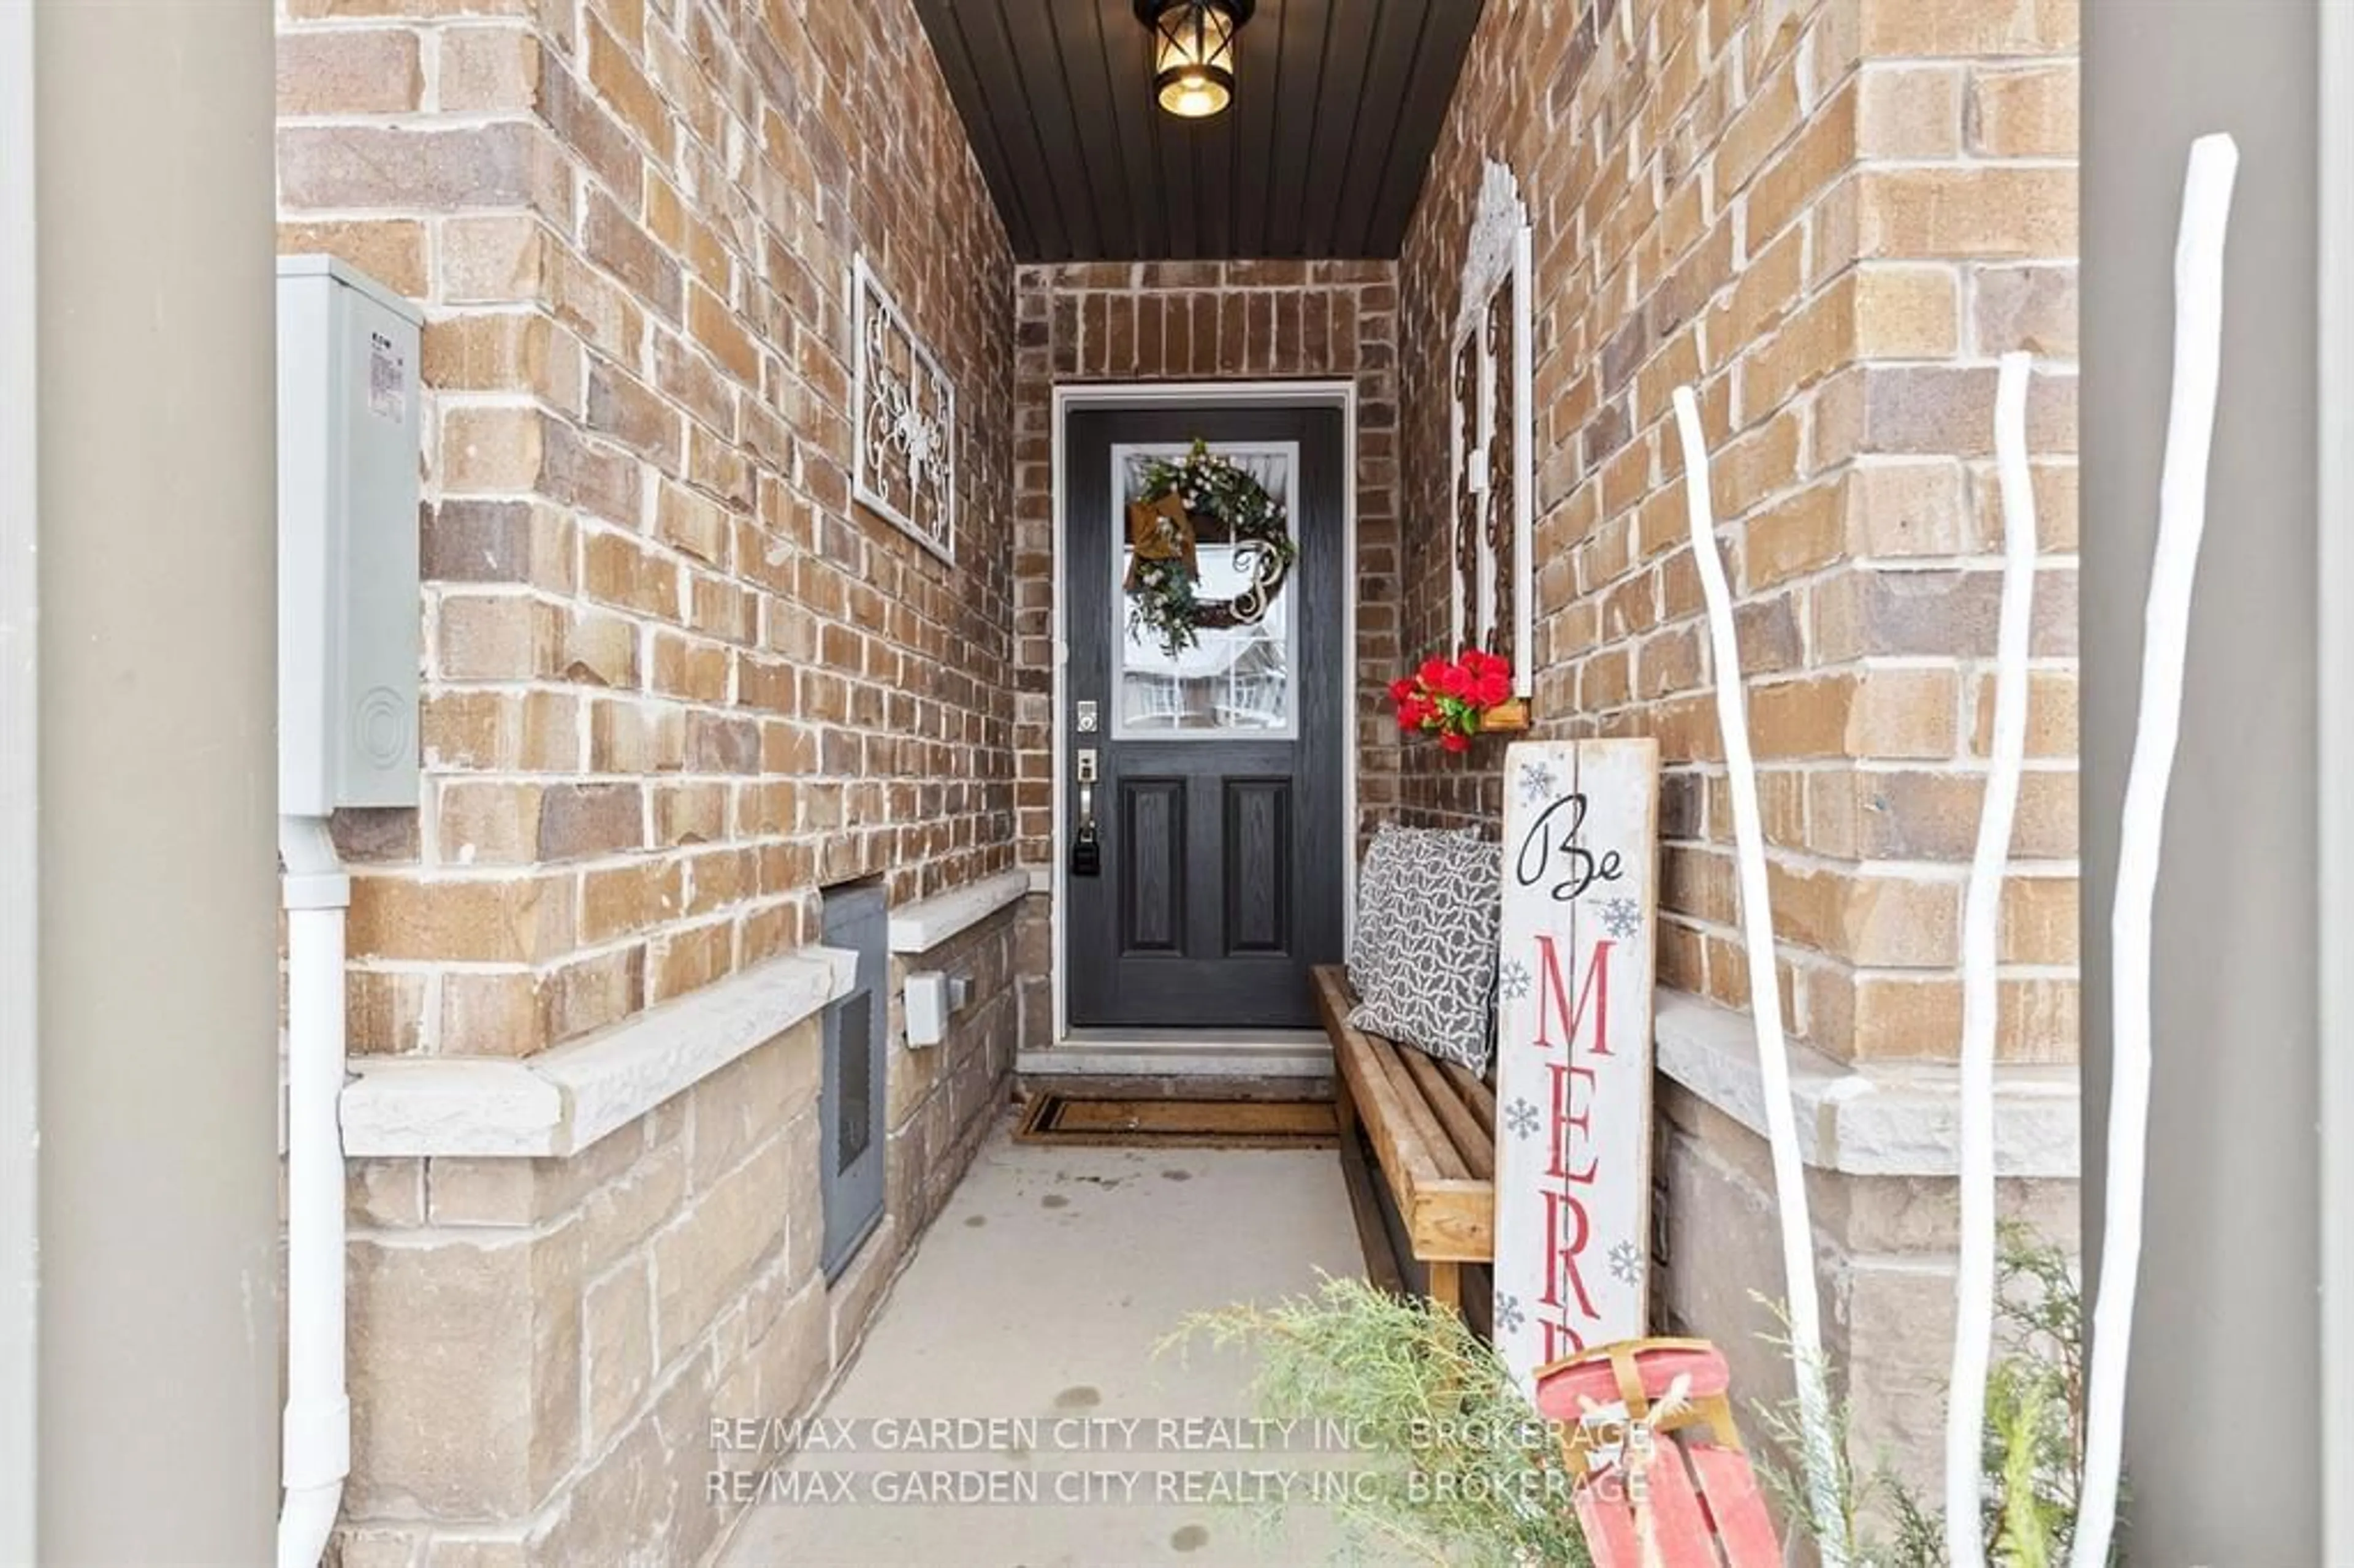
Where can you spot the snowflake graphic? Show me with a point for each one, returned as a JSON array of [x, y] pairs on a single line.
[[1624, 1262], [1521, 1115], [1512, 981], [1538, 783], [1509, 1316], [1622, 917]]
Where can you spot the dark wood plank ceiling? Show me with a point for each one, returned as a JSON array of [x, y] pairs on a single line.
[[1337, 105]]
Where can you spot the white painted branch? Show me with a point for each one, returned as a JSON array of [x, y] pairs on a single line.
[[1982, 920], [2181, 520], [1804, 1305]]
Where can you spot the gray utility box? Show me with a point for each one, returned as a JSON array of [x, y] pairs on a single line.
[[853, 1095], [347, 489]]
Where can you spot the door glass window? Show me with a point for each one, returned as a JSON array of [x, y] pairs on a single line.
[[1235, 678]]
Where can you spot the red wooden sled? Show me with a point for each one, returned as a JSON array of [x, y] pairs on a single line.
[[1650, 1472]]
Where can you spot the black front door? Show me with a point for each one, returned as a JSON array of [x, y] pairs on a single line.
[[1217, 771]]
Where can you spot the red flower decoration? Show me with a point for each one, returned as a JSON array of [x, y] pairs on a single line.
[[1451, 697]]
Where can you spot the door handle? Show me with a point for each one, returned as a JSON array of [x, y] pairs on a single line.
[[1087, 843]]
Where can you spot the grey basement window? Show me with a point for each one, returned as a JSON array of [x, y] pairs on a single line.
[[852, 1101]]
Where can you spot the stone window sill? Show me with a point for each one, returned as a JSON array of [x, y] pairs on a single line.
[[921, 926], [561, 1101], [1869, 1119]]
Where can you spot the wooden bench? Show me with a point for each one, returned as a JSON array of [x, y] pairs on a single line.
[[1432, 1128]]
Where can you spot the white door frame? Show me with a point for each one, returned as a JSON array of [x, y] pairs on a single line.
[[2335, 929], [20, 910], [1340, 394]]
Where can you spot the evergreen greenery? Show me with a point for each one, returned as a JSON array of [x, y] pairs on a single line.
[[1457, 1469]]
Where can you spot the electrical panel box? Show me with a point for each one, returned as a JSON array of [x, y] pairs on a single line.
[[348, 610]]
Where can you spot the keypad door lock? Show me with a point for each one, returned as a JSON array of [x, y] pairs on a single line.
[[1087, 843]]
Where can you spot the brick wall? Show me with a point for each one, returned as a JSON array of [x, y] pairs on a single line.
[[1205, 320], [675, 681], [1829, 216]]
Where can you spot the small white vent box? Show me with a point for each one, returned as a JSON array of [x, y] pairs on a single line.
[[347, 532]]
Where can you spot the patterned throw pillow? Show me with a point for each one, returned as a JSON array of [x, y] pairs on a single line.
[[1431, 912], [1380, 903], [1369, 943]]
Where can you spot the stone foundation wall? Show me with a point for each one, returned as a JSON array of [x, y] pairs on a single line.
[[540, 1346], [1035, 951], [1886, 1250], [944, 1097]]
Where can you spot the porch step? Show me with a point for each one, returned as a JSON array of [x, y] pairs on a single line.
[[1165, 1086], [1193, 1063]]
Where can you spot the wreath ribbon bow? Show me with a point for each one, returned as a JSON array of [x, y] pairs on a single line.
[[1160, 530]]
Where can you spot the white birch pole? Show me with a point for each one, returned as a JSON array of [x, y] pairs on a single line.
[[2181, 520], [1974, 1284], [1805, 1305]]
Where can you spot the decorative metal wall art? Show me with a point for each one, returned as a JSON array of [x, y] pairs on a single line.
[[906, 411], [1493, 489]]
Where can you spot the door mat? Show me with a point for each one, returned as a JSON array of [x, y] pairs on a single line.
[[1178, 1124]]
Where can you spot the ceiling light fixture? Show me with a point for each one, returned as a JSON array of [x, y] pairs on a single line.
[[1194, 52]]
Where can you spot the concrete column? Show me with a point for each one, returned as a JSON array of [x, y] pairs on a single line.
[[2223, 1432], [158, 976]]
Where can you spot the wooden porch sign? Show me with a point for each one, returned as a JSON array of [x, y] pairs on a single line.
[[1574, 1048]]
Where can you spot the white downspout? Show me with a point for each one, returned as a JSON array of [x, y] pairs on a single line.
[[317, 1444]]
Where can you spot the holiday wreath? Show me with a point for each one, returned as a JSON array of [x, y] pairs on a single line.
[[1213, 496]]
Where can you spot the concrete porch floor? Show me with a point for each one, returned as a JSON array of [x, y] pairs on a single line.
[[1040, 1294]]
